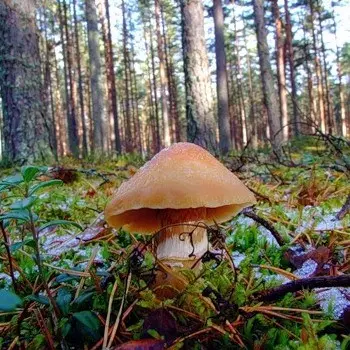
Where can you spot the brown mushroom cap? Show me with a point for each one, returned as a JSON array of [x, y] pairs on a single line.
[[182, 176]]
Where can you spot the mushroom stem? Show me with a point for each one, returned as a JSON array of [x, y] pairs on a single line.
[[181, 240]]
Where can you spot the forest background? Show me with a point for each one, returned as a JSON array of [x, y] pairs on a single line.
[[84, 77]]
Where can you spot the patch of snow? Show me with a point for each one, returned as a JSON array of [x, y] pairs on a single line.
[[6, 278], [308, 268], [265, 233], [237, 258], [313, 217], [334, 299], [271, 278], [329, 222], [247, 222], [298, 250]]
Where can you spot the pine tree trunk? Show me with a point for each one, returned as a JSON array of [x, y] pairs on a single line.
[[281, 70], [97, 92], [80, 79], [154, 81], [342, 120], [112, 90], [328, 104], [151, 109], [127, 124], [72, 121], [252, 116], [290, 57], [162, 75], [174, 118], [26, 137], [320, 91], [225, 143], [201, 126], [270, 95], [60, 126]]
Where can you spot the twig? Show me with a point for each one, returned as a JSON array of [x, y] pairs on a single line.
[[110, 303], [8, 252], [305, 283], [116, 324], [250, 214], [344, 210]]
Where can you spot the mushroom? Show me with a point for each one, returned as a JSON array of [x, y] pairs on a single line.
[[179, 188]]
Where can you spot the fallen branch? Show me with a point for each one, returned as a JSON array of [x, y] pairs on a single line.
[[344, 210], [250, 214], [305, 283]]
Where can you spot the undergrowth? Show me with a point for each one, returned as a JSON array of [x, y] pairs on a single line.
[[68, 281]]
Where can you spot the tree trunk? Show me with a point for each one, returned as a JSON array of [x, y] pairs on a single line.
[[97, 92], [290, 57], [112, 90], [151, 108], [72, 120], [342, 116], [281, 70], [225, 143], [127, 124], [270, 95], [80, 79], [252, 114], [162, 75], [320, 91], [26, 137], [154, 80], [201, 126], [328, 104]]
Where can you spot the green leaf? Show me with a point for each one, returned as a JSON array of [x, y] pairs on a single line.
[[12, 180], [63, 300], [22, 215], [60, 222], [64, 277], [83, 297], [44, 184], [30, 172], [9, 301], [19, 245], [25, 203], [66, 327], [41, 299], [88, 319]]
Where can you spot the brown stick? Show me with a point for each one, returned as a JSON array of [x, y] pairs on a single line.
[[305, 283], [9, 256], [345, 209], [250, 214]]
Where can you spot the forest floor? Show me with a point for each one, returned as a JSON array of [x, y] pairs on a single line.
[[74, 283]]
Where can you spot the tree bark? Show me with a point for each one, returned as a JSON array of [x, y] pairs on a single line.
[[127, 124], [112, 92], [320, 90], [281, 70], [97, 92], [154, 81], [328, 104], [162, 75], [80, 79], [72, 120], [26, 137], [342, 120], [290, 57], [225, 143], [201, 125], [252, 114], [270, 95]]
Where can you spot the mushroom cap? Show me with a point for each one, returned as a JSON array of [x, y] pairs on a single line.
[[182, 176]]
